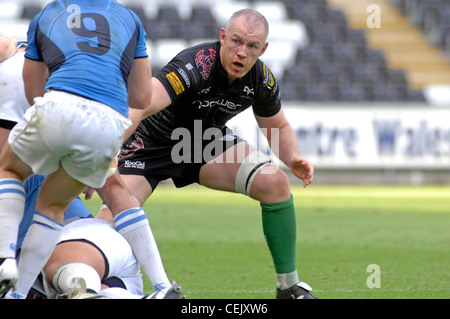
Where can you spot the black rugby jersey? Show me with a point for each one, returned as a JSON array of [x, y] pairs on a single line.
[[198, 86]]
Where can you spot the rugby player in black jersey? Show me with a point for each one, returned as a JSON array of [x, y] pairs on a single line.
[[195, 95]]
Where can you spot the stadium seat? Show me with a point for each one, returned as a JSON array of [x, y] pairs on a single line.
[[162, 51], [396, 77], [274, 11], [201, 14], [16, 28], [416, 96], [439, 32], [139, 11], [222, 11], [279, 55], [293, 32], [168, 13], [354, 93], [320, 92], [356, 37], [10, 11], [292, 91], [29, 11]]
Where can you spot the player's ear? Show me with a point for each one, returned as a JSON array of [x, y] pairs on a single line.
[[264, 48], [222, 35]]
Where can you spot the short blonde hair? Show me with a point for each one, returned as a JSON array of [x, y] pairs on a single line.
[[252, 15]]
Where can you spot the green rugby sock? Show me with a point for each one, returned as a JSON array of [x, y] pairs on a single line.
[[280, 231]]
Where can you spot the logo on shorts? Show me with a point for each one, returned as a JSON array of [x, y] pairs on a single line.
[[136, 164], [129, 150]]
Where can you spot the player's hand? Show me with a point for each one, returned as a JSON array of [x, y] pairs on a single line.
[[303, 169], [88, 192]]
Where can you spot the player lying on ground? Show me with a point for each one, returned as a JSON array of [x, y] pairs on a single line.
[[90, 254], [93, 256]]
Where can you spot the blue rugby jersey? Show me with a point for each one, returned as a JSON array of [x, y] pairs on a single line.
[[89, 47]]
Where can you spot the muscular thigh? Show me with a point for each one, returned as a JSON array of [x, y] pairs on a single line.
[[138, 186], [220, 173]]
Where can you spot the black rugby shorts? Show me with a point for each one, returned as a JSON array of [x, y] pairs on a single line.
[[177, 160]]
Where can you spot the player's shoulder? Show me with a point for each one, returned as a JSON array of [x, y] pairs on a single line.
[[264, 77], [194, 64], [75, 7], [203, 47], [202, 54], [124, 11]]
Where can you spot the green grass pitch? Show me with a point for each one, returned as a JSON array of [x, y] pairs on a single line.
[[212, 243]]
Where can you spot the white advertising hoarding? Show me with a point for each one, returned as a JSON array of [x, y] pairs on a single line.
[[364, 136]]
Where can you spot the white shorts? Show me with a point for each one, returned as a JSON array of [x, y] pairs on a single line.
[[82, 135]]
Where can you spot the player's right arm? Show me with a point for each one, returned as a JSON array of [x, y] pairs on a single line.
[[160, 100], [35, 74], [140, 84]]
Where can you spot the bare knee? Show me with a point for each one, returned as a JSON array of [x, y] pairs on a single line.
[[270, 186]]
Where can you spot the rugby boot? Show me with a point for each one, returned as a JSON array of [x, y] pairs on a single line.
[[81, 292], [8, 274], [300, 290], [173, 292]]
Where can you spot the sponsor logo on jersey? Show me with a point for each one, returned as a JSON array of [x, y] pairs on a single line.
[[269, 80], [206, 104], [248, 90], [176, 83], [185, 77]]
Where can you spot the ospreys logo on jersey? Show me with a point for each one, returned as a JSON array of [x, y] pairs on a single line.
[[269, 80], [204, 61]]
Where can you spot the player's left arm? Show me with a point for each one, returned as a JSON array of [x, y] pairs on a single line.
[[278, 130], [35, 75]]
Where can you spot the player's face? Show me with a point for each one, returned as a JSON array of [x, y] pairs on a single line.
[[242, 45]]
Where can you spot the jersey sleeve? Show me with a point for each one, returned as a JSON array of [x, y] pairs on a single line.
[[268, 100], [32, 52], [141, 46], [179, 76]]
